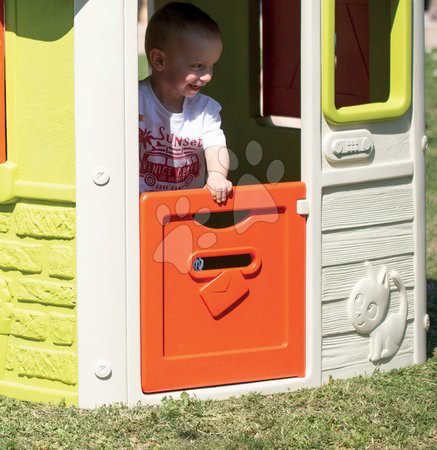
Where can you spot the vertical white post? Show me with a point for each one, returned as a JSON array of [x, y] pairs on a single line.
[[417, 154], [101, 200], [132, 204], [311, 176]]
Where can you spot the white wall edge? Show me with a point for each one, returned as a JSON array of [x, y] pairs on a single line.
[[310, 174], [419, 191], [133, 348], [101, 228]]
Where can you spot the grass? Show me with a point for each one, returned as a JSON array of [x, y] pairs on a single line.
[[395, 410], [392, 410]]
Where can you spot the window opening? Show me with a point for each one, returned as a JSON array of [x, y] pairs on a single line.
[[280, 61], [362, 72], [366, 59], [236, 84]]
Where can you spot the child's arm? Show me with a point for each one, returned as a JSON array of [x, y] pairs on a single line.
[[217, 165]]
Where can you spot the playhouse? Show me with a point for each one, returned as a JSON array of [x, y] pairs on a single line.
[[314, 268]]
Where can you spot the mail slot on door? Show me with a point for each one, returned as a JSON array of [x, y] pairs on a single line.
[[239, 315]]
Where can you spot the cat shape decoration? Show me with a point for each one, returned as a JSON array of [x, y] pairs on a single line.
[[367, 309]]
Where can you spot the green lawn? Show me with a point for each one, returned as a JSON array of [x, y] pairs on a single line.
[[394, 410]]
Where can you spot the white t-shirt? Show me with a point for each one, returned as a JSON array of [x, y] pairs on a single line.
[[172, 144]]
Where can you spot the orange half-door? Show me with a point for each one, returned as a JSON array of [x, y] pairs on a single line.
[[222, 304]]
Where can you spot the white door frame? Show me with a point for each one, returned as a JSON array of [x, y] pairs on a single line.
[[108, 218]]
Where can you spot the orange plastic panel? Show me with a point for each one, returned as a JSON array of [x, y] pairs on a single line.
[[2, 86], [229, 324]]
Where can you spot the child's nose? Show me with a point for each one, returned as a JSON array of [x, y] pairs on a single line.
[[206, 76]]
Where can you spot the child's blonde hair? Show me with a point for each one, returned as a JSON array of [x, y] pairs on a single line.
[[171, 20]]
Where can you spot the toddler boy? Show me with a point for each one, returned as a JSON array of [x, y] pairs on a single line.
[[179, 128]]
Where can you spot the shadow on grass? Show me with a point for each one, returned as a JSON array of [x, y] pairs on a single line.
[[431, 344]]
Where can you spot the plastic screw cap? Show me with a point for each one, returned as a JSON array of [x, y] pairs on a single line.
[[427, 322], [101, 176], [367, 144], [102, 369], [425, 143]]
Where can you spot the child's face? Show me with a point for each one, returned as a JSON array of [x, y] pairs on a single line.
[[189, 63]]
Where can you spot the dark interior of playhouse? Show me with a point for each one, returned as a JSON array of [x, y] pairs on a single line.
[[257, 80]]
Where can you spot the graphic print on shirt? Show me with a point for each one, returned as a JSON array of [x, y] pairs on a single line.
[[168, 161]]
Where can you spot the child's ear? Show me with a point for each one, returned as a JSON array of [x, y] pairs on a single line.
[[157, 59]]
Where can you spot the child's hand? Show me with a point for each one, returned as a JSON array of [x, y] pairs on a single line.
[[219, 186]]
